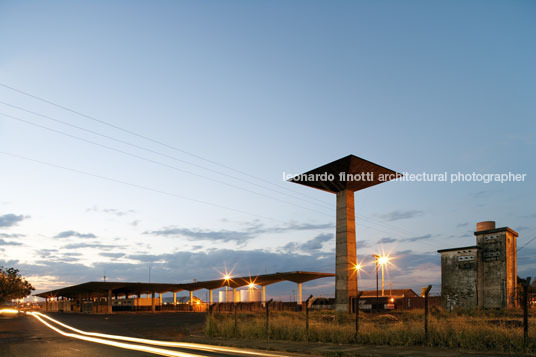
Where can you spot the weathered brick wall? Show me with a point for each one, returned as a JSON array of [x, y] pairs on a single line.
[[459, 274]]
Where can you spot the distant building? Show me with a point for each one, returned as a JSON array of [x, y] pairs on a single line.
[[483, 275]]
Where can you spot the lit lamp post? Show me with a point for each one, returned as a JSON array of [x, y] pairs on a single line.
[[383, 261], [357, 268], [376, 258], [380, 261]]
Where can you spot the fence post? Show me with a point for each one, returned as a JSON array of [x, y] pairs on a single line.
[[267, 323], [426, 292], [356, 306], [307, 317], [525, 285]]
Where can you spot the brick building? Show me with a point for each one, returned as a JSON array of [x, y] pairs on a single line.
[[483, 275]]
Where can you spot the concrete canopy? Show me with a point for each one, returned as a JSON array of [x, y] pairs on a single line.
[[349, 165], [100, 288]]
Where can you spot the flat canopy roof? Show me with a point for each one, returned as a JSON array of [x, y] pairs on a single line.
[[348, 173], [100, 288]]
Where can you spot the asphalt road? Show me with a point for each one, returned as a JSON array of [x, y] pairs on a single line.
[[24, 335]]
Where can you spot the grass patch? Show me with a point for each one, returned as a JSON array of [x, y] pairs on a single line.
[[477, 331]]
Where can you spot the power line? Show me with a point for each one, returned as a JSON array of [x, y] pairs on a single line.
[[155, 141], [86, 173], [156, 162], [524, 245], [151, 150], [188, 172], [394, 228]]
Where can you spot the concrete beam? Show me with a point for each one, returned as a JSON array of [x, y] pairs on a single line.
[[153, 309]]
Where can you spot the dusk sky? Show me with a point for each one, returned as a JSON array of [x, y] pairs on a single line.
[[232, 95]]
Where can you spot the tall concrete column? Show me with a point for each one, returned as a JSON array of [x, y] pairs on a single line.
[[191, 297], [299, 293], [153, 301], [263, 297], [160, 299], [234, 296], [109, 301], [345, 251], [80, 302], [174, 300], [210, 297]]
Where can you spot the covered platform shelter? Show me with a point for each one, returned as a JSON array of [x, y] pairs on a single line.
[[110, 290]]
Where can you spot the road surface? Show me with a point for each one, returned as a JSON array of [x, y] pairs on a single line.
[[28, 335]]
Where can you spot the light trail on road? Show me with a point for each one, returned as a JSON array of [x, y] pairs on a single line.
[[128, 346], [194, 346]]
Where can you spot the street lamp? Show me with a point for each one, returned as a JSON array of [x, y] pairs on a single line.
[[381, 260], [357, 268], [376, 258]]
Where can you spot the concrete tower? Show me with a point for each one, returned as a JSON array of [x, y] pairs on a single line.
[[498, 278], [343, 177]]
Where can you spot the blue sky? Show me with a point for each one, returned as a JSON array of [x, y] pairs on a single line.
[[262, 88]]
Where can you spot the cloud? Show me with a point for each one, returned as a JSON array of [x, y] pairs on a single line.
[[4, 242], [399, 215], [89, 245], [13, 235], [410, 269], [238, 236], [45, 253], [113, 211], [135, 223], [460, 225], [317, 242], [10, 219], [67, 234], [199, 234], [387, 240], [112, 255], [310, 246], [414, 239]]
